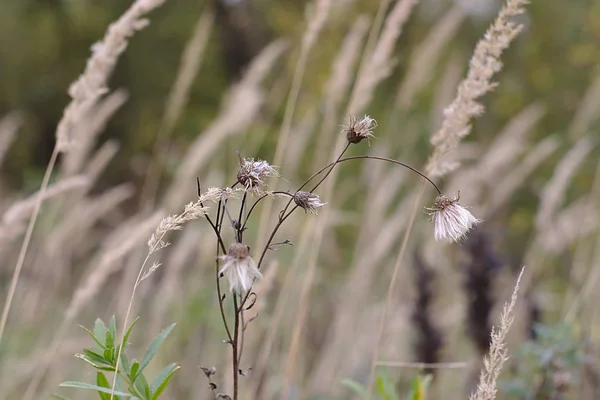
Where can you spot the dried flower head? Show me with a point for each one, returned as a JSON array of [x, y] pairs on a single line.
[[308, 201], [253, 174], [359, 129], [452, 221], [239, 268]]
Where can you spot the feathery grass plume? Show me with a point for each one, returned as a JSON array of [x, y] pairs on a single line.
[[553, 193], [378, 65], [498, 355], [91, 124], [91, 85], [578, 219], [479, 276], [309, 202], [84, 93], [482, 67], [451, 220], [9, 125], [587, 111], [502, 191], [100, 159], [239, 268], [429, 339]]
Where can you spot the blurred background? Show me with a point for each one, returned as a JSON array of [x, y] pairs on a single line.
[[209, 79]]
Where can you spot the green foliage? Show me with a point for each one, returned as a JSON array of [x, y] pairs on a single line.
[[385, 387], [548, 366], [103, 357]]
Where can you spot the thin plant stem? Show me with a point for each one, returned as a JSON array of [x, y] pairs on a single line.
[[235, 348], [123, 330], [28, 233], [390, 291]]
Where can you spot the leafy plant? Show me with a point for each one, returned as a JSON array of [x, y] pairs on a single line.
[[131, 383], [547, 367], [385, 387]]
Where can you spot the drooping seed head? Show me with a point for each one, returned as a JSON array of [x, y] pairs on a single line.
[[308, 201], [451, 220], [239, 268]]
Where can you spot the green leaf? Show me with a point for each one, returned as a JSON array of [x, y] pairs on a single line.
[[100, 331], [110, 340], [102, 382], [109, 354], [92, 336], [83, 385], [134, 370], [385, 387], [141, 384], [161, 380], [419, 386], [97, 358], [125, 367], [355, 387], [153, 348], [94, 364], [112, 326], [124, 341]]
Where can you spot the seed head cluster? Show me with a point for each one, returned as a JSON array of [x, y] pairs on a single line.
[[451, 220], [308, 201], [239, 268], [253, 174], [358, 129]]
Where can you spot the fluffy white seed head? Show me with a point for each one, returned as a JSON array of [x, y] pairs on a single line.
[[358, 129], [253, 174], [239, 268], [451, 220], [308, 201]]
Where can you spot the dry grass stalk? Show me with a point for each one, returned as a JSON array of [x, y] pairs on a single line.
[[91, 85], [239, 109], [502, 191], [84, 92], [378, 65], [424, 59], [498, 355], [587, 111], [446, 88], [98, 162], [482, 67], [9, 125], [574, 222], [553, 193], [92, 123]]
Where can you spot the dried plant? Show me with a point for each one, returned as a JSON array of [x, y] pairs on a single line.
[[498, 354], [482, 67]]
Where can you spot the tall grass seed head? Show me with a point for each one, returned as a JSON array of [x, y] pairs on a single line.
[[239, 268], [451, 220], [358, 129], [253, 174], [308, 201]]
